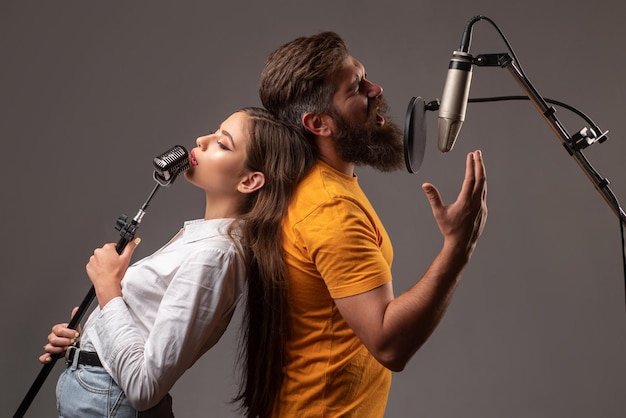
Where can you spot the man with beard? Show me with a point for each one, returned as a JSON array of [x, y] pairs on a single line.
[[322, 340]]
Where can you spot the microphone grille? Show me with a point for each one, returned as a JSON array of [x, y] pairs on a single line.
[[171, 163]]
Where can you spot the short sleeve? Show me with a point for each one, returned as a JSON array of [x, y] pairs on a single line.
[[347, 246]]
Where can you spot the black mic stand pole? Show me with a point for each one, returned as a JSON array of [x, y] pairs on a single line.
[[574, 145], [127, 231]]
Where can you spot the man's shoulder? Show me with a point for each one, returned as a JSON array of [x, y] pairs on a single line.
[[328, 197], [324, 182]]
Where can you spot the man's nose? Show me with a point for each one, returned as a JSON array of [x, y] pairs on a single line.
[[373, 89]]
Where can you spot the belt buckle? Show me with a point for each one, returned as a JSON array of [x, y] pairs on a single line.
[[71, 355]]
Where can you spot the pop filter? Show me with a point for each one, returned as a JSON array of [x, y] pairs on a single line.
[[415, 133]]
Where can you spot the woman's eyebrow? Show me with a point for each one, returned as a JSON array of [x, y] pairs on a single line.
[[230, 137]]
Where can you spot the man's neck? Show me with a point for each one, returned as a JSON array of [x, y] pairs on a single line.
[[328, 154], [339, 165]]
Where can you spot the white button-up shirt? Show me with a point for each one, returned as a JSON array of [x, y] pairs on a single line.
[[176, 304]]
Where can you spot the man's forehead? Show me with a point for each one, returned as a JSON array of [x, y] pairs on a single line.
[[351, 70], [355, 64]]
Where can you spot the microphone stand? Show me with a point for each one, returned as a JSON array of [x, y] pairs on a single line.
[[127, 230], [573, 144]]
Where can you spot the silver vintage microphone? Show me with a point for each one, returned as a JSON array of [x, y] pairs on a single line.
[[456, 91], [170, 164]]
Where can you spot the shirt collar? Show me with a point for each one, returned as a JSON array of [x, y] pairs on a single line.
[[198, 229]]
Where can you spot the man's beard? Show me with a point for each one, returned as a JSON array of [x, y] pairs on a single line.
[[380, 147]]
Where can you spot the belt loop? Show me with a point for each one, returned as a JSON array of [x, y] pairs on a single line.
[[71, 356]]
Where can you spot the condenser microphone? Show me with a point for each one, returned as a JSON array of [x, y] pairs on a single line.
[[170, 164], [454, 99], [456, 91]]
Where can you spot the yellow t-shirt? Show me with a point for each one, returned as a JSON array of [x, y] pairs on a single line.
[[335, 246]]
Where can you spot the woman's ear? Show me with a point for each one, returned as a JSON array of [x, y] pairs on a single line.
[[251, 182], [318, 123]]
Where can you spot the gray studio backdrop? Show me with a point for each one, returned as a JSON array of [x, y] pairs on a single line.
[[91, 91]]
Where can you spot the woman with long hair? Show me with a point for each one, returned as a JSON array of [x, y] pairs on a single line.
[[157, 317]]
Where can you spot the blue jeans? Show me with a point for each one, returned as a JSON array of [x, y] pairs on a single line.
[[90, 392]]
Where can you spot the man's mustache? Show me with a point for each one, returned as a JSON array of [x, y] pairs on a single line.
[[377, 104]]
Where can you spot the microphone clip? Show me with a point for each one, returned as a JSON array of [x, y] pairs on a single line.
[[499, 59], [162, 181]]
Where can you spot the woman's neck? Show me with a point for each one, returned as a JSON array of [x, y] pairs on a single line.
[[221, 208]]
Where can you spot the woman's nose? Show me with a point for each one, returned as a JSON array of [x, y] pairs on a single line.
[[202, 141]]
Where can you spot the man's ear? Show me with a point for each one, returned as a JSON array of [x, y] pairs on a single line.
[[251, 182], [319, 124]]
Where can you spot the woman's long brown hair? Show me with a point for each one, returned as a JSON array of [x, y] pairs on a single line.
[[284, 156], [296, 79]]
